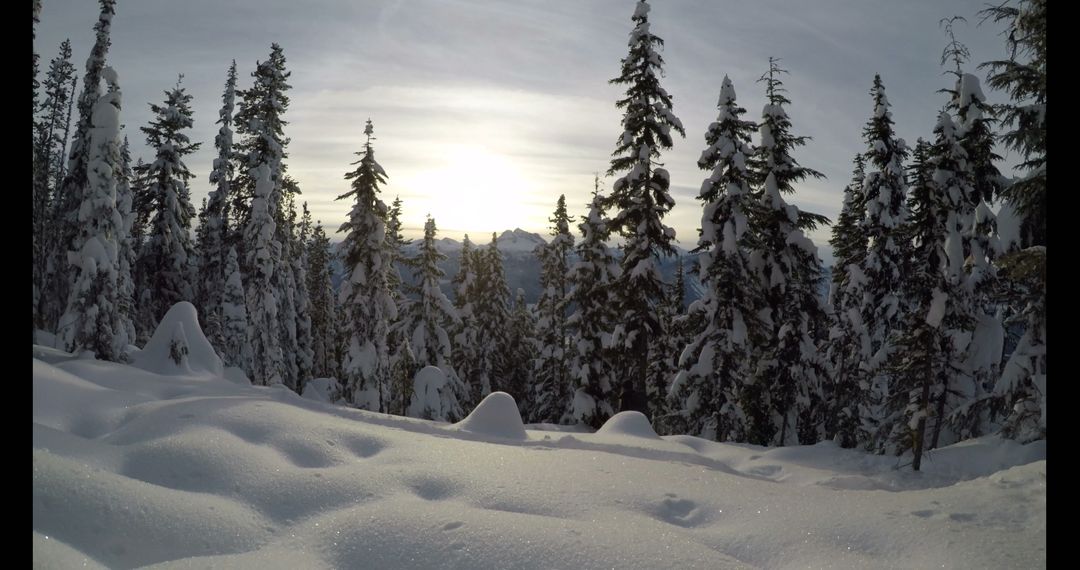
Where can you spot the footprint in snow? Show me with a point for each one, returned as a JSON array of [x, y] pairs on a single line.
[[453, 525]]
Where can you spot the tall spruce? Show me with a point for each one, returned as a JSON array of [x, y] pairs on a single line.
[[640, 200], [705, 394], [848, 339], [1022, 263], [167, 255], [551, 368], [305, 349], [234, 318], [126, 260], [492, 310], [365, 295], [215, 245], [326, 363], [92, 320], [70, 195], [592, 368], [465, 333], [429, 314], [521, 351], [789, 370], [266, 365]]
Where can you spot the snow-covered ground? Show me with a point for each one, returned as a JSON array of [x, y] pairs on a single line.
[[133, 467]]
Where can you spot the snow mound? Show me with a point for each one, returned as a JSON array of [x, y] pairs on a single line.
[[497, 415], [179, 346], [633, 424], [326, 390]]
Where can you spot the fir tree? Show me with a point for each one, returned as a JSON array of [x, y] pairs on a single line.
[[705, 394], [168, 251], [323, 306], [492, 311], [520, 350], [92, 320], [789, 370], [234, 322], [125, 279], [267, 361], [365, 295], [70, 195], [848, 340], [592, 368], [552, 363], [305, 351], [214, 247], [428, 315], [641, 199], [49, 146], [465, 333], [284, 281]]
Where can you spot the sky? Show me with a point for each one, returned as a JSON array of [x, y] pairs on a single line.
[[485, 111]]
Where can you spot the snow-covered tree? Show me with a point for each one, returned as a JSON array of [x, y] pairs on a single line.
[[50, 138], [592, 368], [267, 360], [365, 295], [848, 340], [521, 352], [323, 306], [70, 194], [551, 368], [465, 333], [789, 371], [427, 316], [167, 255], [284, 281], [640, 199], [92, 320], [214, 246], [305, 351], [705, 394], [491, 309], [236, 350], [125, 278]]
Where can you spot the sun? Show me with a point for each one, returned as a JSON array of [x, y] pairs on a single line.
[[468, 189]]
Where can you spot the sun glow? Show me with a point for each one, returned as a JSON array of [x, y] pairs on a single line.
[[469, 189]]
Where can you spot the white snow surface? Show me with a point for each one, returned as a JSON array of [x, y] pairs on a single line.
[[134, 469]]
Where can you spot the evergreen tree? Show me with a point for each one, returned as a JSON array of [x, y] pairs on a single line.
[[214, 247], [323, 306], [641, 199], [92, 320], [465, 333], [365, 295], [267, 361], [234, 322], [68, 228], [395, 243], [1022, 265], [284, 281], [553, 389], [305, 351], [664, 355], [787, 381], [521, 352], [125, 280], [848, 340], [592, 368], [705, 394], [492, 310], [428, 315], [402, 371], [49, 146], [168, 251]]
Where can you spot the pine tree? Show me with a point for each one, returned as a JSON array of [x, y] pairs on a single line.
[[848, 340], [878, 275], [1022, 385], [305, 351], [365, 295], [71, 193], [236, 350], [168, 251], [705, 394], [641, 199], [553, 389], [492, 310], [125, 279], [284, 281], [521, 352], [323, 306], [593, 367], [92, 320], [267, 361], [465, 333], [49, 146], [214, 247], [395, 244], [428, 315], [787, 381]]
